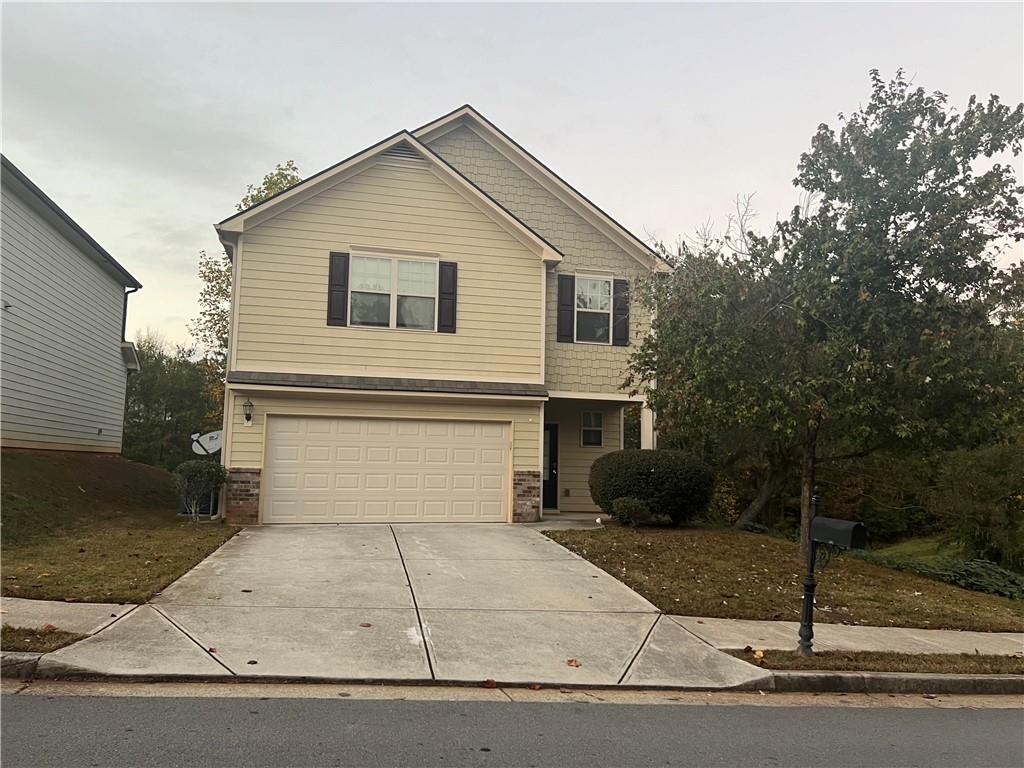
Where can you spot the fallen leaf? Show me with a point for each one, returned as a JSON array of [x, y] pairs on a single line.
[[48, 628], [212, 650], [758, 654], [536, 687], [366, 624], [489, 683], [574, 663], [747, 649]]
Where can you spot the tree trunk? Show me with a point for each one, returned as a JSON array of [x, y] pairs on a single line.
[[808, 465], [764, 495]]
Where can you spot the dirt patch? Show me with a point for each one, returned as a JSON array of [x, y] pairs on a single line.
[[864, 661]]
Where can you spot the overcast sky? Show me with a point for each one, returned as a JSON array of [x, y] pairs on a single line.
[[146, 122]]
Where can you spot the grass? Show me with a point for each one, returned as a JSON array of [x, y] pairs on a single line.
[[930, 549], [35, 640], [733, 574], [880, 661], [94, 528]]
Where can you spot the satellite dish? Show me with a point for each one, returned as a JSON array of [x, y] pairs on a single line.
[[208, 444]]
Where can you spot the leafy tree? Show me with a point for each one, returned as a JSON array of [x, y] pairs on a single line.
[[210, 329], [874, 317], [167, 402]]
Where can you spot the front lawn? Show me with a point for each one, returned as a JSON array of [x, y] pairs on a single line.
[[35, 640], [94, 528], [875, 661], [733, 574]]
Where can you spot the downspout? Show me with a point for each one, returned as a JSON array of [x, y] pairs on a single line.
[[124, 312]]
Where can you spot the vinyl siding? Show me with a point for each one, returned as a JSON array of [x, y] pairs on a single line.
[[573, 459], [282, 295], [568, 367], [62, 374], [245, 444]]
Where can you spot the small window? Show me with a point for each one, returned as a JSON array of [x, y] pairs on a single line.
[[393, 293], [592, 433], [594, 310]]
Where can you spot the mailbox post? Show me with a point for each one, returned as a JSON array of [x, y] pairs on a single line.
[[835, 535]]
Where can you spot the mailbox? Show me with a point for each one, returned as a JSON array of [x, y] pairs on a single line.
[[840, 533]]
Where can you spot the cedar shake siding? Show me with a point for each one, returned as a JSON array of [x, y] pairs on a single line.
[[568, 366]]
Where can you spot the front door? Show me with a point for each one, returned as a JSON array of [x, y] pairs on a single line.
[[549, 492]]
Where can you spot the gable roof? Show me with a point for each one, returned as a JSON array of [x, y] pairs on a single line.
[[547, 178], [404, 143], [41, 203]]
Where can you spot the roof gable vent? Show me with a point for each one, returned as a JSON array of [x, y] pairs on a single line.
[[403, 150]]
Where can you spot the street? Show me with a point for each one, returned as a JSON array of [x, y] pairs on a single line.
[[59, 730]]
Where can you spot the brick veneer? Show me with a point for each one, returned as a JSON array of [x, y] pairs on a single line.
[[525, 497], [243, 497]]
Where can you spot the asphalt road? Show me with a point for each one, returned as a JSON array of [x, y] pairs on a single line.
[[108, 731]]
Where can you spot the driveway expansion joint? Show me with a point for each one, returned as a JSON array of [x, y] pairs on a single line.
[[204, 649], [415, 605]]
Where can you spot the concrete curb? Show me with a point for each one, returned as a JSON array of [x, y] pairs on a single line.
[[24, 666], [18, 665], [800, 681]]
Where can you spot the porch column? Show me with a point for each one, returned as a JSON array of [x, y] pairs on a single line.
[[647, 439]]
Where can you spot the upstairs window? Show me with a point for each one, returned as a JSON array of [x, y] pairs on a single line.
[[594, 310], [393, 293], [592, 429]]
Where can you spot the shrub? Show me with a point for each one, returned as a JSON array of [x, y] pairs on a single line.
[[672, 484], [632, 511], [975, 575], [197, 481]]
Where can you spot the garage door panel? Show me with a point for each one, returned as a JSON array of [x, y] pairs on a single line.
[[378, 470]]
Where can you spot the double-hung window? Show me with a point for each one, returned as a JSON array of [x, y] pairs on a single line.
[[392, 292], [592, 429], [594, 309]]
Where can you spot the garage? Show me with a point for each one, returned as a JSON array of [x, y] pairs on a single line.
[[321, 469]]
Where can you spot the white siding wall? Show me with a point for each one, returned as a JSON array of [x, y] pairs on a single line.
[[62, 377]]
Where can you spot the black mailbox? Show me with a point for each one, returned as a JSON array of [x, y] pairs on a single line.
[[840, 533]]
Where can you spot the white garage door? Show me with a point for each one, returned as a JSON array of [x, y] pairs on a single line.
[[351, 470]]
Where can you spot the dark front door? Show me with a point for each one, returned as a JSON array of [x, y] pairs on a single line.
[[549, 485]]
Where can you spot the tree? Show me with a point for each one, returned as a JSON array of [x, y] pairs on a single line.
[[210, 329], [167, 402], [875, 316]]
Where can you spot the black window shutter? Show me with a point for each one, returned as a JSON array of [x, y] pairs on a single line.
[[447, 295], [337, 290], [566, 307], [620, 313]]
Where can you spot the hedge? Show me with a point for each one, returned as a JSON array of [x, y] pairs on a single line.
[[672, 484]]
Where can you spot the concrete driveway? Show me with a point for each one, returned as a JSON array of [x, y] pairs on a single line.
[[416, 602]]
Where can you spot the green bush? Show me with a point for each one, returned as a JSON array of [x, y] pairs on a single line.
[[632, 511], [672, 484], [975, 575], [197, 481]]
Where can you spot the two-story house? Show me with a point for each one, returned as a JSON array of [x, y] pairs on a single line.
[[64, 361], [434, 329]]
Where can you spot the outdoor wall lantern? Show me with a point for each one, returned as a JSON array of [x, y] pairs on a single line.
[[247, 412], [832, 536]]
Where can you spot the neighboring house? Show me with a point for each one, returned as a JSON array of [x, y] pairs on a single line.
[[435, 329], [63, 358]]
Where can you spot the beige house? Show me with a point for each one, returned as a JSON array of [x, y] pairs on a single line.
[[435, 329]]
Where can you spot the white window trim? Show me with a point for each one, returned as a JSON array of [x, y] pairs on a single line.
[[592, 429], [394, 258], [576, 310]]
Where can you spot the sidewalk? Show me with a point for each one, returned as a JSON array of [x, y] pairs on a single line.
[[678, 652]]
